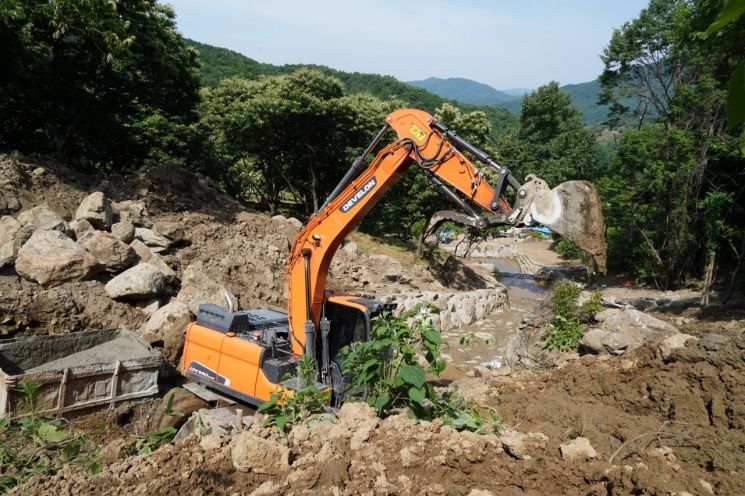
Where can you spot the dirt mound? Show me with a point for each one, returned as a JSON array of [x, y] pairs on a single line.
[[361, 454], [690, 407]]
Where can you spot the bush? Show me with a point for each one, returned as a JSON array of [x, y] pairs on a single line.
[[568, 324], [569, 250]]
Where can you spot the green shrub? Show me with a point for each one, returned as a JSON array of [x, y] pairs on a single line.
[[568, 324], [569, 250]]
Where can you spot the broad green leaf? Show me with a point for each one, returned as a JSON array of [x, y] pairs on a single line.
[[412, 374], [50, 434], [281, 422], [416, 395], [431, 335], [736, 96], [381, 401], [95, 468], [731, 11]]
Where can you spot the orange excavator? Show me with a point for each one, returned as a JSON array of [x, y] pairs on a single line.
[[248, 354]]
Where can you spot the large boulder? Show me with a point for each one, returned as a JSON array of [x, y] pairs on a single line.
[[147, 255], [156, 242], [8, 229], [198, 287], [43, 217], [143, 281], [624, 330], [51, 258], [167, 326], [80, 227], [96, 209], [123, 231], [251, 453], [132, 211], [111, 253], [7, 253]]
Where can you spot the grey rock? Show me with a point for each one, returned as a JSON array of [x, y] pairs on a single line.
[[620, 331], [351, 247], [96, 209], [148, 307], [578, 448], [149, 256], [143, 281], [198, 287], [80, 227], [9, 202], [111, 253], [173, 231], [167, 325], [51, 258], [9, 227], [22, 236], [123, 231], [713, 342], [155, 241], [672, 343], [43, 217], [7, 253], [132, 211]]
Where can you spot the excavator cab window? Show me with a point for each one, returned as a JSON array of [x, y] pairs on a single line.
[[348, 324]]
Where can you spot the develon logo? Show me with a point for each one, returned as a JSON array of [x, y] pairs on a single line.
[[358, 195]]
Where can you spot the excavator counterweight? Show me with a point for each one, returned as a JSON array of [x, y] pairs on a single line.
[[247, 353]]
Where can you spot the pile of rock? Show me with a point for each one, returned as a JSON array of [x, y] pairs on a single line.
[[453, 310], [113, 242]]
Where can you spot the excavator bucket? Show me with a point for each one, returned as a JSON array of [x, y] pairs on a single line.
[[571, 209]]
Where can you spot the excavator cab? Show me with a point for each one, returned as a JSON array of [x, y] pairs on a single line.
[[349, 320]]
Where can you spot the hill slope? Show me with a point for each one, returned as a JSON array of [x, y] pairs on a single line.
[[464, 90], [220, 63]]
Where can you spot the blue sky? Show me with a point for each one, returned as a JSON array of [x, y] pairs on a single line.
[[505, 44]]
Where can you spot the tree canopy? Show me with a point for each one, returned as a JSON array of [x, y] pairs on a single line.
[[95, 82]]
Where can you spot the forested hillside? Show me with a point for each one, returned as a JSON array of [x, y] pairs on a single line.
[[219, 63]]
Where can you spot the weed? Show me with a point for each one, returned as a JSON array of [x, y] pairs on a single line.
[[155, 439], [568, 324], [38, 444], [388, 375], [286, 407]]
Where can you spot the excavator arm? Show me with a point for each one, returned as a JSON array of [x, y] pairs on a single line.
[[572, 209]]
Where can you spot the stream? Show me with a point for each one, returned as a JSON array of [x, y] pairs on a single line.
[[483, 343]]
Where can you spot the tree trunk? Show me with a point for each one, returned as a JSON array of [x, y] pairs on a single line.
[[733, 280], [708, 279]]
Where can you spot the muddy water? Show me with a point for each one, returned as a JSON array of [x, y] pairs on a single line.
[[483, 343]]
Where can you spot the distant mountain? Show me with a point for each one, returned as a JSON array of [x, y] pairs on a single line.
[[584, 96], [518, 91], [464, 91], [220, 63]]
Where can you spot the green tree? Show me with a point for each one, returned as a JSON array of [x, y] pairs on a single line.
[[550, 140], [292, 135], [107, 84], [672, 199]]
